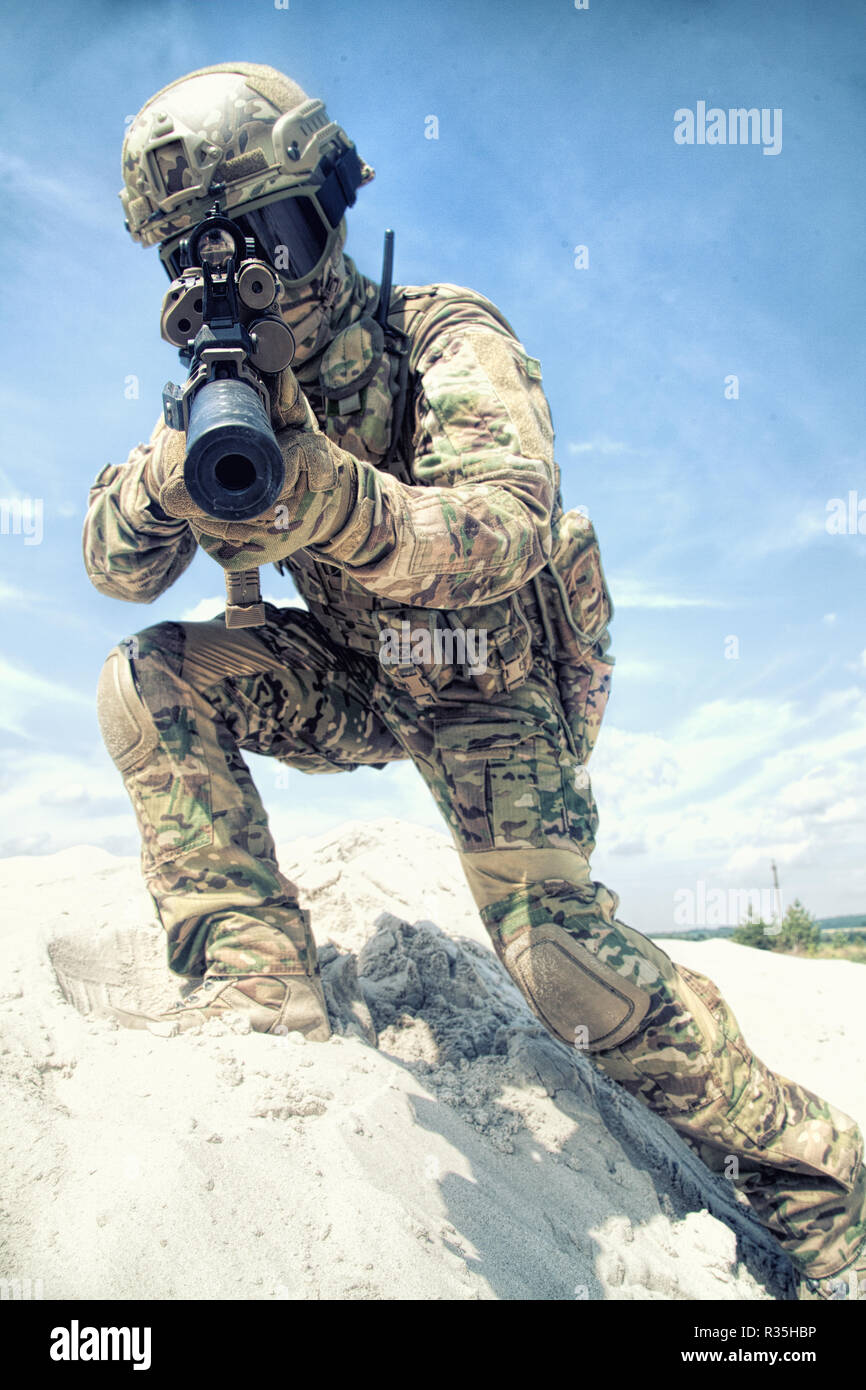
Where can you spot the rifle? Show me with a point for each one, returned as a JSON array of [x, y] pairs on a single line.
[[219, 312]]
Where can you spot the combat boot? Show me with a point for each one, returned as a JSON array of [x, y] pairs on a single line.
[[273, 1003], [848, 1283]]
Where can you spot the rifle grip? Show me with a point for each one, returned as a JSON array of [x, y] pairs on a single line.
[[244, 606]]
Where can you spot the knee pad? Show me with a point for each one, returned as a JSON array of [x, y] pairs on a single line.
[[594, 996], [578, 998], [128, 730]]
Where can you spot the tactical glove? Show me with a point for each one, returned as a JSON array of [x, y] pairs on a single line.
[[315, 502], [289, 405]]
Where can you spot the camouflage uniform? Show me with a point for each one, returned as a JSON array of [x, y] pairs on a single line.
[[450, 522]]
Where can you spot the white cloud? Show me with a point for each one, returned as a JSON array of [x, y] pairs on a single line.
[[22, 598], [20, 690], [737, 785], [843, 812], [636, 593], [69, 197], [208, 608], [629, 847], [786, 532], [636, 669], [755, 858], [204, 610], [813, 792], [298, 804], [602, 445], [50, 801]]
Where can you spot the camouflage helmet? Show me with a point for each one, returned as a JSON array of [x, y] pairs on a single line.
[[243, 135]]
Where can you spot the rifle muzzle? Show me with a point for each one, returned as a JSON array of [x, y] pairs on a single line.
[[234, 467]]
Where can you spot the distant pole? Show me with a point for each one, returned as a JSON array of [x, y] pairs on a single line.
[[777, 895]]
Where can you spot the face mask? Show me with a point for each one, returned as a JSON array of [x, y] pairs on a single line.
[[310, 310], [308, 313]]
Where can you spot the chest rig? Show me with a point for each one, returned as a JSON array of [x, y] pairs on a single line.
[[364, 399]]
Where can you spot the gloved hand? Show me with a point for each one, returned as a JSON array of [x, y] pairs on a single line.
[[315, 501], [168, 446], [289, 405]]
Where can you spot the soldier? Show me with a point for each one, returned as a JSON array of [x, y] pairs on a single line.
[[421, 489]]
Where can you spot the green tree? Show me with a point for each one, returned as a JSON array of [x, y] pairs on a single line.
[[755, 932], [800, 931]]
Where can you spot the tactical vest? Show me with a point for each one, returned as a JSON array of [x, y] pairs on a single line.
[[364, 400]]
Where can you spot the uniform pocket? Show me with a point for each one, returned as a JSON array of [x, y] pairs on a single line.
[[574, 587], [501, 784], [584, 688], [171, 791], [172, 801], [755, 1108], [359, 380]]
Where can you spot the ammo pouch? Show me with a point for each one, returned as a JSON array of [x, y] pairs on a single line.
[[573, 606], [502, 642], [414, 650], [425, 650], [358, 380]]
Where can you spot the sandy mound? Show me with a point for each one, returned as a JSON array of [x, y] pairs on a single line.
[[468, 1155]]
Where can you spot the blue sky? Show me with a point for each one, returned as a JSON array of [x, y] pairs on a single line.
[[555, 130]]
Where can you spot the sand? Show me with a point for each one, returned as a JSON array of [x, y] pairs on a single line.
[[467, 1156]]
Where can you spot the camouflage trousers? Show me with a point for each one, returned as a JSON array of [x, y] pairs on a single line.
[[519, 805]]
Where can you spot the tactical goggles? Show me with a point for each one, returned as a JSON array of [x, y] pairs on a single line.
[[296, 233]]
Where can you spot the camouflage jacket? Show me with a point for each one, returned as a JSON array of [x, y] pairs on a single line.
[[457, 505]]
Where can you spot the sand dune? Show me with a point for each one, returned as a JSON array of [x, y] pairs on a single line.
[[467, 1156]]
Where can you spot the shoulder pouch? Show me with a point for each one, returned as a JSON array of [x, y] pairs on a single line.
[[574, 609], [358, 382]]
